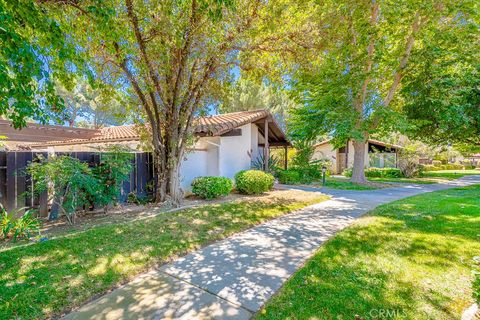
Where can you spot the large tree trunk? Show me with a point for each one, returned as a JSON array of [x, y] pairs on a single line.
[[358, 173], [167, 170], [174, 184], [160, 174]]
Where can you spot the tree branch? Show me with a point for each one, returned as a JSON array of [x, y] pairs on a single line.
[[403, 62], [142, 46]]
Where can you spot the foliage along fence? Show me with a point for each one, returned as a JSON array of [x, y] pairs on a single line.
[[16, 186]]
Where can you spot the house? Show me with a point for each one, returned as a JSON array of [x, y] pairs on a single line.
[[225, 143], [377, 154], [35, 133]]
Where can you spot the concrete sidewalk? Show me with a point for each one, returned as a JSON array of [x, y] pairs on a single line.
[[233, 278]]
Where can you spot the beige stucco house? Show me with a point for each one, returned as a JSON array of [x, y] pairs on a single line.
[[377, 154]]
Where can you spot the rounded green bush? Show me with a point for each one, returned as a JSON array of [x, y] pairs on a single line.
[[253, 181], [289, 176], [211, 187]]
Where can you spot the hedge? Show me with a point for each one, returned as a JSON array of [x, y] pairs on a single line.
[[377, 173], [289, 176], [448, 166], [301, 174], [253, 181], [211, 187]]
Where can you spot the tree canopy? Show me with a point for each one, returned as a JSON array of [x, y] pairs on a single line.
[[168, 55], [355, 68], [369, 48], [245, 94], [34, 53], [86, 106]]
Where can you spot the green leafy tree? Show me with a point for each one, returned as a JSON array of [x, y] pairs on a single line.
[[34, 53], [69, 183], [86, 106], [443, 102], [169, 55], [246, 94], [355, 57]]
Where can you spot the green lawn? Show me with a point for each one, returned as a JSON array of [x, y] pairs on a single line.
[[412, 258], [405, 180], [345, 184], [450, 174], [46, 279]]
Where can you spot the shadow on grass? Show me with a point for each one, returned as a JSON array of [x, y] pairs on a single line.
[[51, 277], [411, 259]]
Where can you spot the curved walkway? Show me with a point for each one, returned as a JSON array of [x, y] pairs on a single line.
[[233, 278]]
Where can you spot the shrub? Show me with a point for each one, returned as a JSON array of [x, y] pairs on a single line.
[[383, 173], [114, 168], [211, 187], [377, 173], [134, 198], [347, 172], [23, 227], [304, 153], [391, 173], [454, 166], [71, 181], [273, 164], [290, 176], [436, 163], [253, 181], [408, 162], [373, 173]]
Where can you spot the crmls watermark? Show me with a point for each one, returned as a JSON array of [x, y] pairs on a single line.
[[387, 314]]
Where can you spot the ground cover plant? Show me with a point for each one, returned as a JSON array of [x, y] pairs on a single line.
[[44, 279], [413, 257], [18, 224]]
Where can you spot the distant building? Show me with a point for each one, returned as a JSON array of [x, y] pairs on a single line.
[[378, 154]]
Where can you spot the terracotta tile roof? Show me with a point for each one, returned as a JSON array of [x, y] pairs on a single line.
[[215, 125], [117, 133], [219, 124]]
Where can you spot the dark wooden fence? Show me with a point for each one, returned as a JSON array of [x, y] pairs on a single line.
[[16, 186]]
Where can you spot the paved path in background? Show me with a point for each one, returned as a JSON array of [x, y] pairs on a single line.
[[233, 278]]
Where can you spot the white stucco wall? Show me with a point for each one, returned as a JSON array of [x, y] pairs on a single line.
[[213, 156], [255, 136], [194, 165], [220, 156], [235, 152]]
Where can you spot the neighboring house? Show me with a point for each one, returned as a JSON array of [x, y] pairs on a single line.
[[225, 144], [377, 154], [474, 159], [38, 133]]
